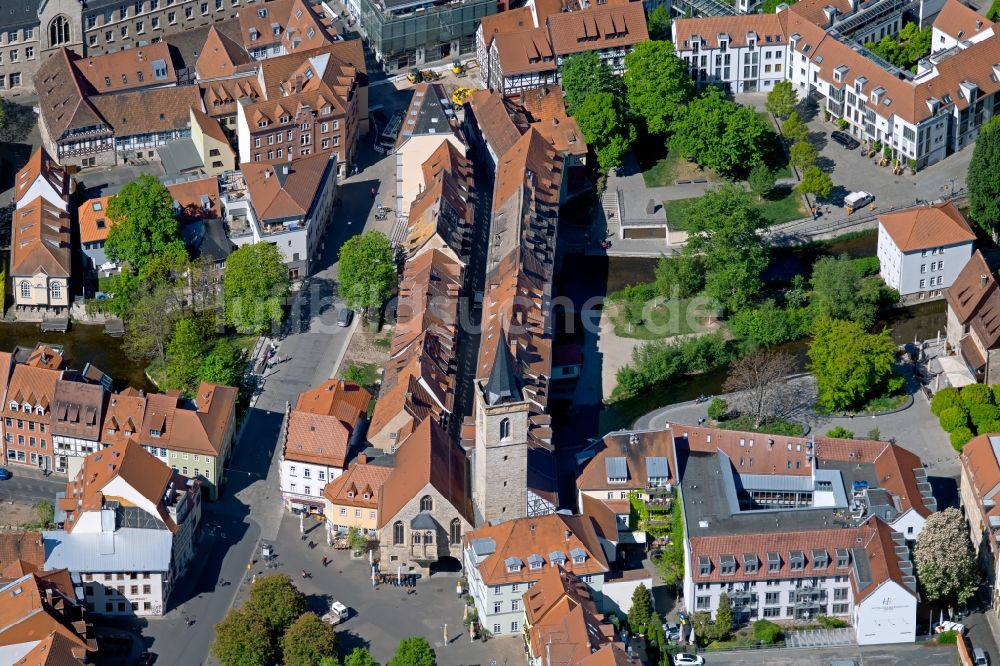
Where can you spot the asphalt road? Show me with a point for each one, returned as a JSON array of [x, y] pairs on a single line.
[[29, 486], [920, 654]]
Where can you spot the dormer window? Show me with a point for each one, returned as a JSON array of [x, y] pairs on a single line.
[[154, 432], [13, 405], [513, 564], [284, 119], [727, 565], [797, 560], [40, 410], [365, 496], [26, 408], [773, 562], [843, 558], [111, 431], [350, 494], [617, 469], [704, 565], [262, 123]]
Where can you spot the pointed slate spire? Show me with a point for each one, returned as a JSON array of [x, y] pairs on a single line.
[[502, 386]]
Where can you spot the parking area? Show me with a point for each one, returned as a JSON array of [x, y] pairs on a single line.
[[919, 654], [380, 617]]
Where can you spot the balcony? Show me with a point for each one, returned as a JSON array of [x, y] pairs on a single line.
[[743, 599], [806, 597]]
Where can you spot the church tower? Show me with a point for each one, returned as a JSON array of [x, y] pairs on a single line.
[[501, 455]]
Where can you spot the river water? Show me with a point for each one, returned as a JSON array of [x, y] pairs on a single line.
[[81, 344]]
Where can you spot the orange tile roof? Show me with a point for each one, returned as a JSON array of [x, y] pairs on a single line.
[[813, 10], [927, 227], [524, 51], [22, 546], [597, 27], [563, 624], [34, 386], [540, 535], [41, 165], [187, 193], [33, 607], [198, 427], [220, 56], [980, 460], [41, 242], [285, 190], [636, 448], [357, 481], [221, 96], [960, 21], [93, 219], [54, 650], [335, 397], [494, 119], [737, 27], [62, 100], [125, 460], [512, 20], [971, 288], [610, 655], [317, 439], [155, 110], [128, 69], [209, 126], [427, 457], [124, 417]]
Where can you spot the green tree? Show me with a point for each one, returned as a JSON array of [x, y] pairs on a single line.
[[642, 607], [793, 129], [724, 617], [959, 437], [761, 180], [355, 539], [802, 155], [953, 418], [605, 127], [222, 365], [874, 434], [243, 639], [768, 324], [255, 285], [329, 661], [766, 631], [413, 651], [840, 433], [657, 85], [725, 137], [816, 181], [946, 566], [585, 74], [945, 398], [724, 230], [658, 23], [717, 408], [840, 291], [277, 601], [976, 394], [45, 512], [142, 223], [150, 323], [359, 656], [184, 356], [850, 365], [307, 641], [782, 98], [366, 270], [981, 179], [678, 277]]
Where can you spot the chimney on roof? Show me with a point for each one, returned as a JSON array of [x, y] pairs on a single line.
[[267, 174], [983, 279], [513, 345], [979, 24], [362, 459], [284, 167]]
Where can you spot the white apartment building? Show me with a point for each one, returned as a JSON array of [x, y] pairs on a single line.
[[920, 118], [129, 526], [503, 561], [922, 250]]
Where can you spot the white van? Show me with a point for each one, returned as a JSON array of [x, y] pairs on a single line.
[[856, 200], [338, 613]]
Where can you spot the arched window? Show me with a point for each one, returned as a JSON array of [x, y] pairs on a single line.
[[397, 533], [455, 531], [504, 428], [25, 289], [428, 537], [426, 503], [58, 31], [56, 289]]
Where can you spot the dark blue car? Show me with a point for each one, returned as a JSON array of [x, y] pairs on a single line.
[[5, 474]]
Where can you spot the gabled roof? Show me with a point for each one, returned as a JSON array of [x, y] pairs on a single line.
[[25, 547], [562, 619], [78, 410], [960, 21], [495, 120], [545, 535], [33, 607], [41, 165], [597, 27], [429, 113], [156, 110], [125, 414], [970, 289], [358, 480], [128, 69], [93, 219], [981, 460], [636, 449], [33, 385], [53, 650], [40, 240], [342, 399], [209, 126], [220, 56], [927, 227], [286, 190], [427, 457], [63, 101]]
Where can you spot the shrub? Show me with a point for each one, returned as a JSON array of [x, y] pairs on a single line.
[[959, 437], [991, 427], [947, 638], [982, 414], [831, 622], [867, 265], [840, 433], [943, 399], [874, 433], [996, 394], [717, 409], [659, 361], [976, 394], [953, 417], [766, 631]]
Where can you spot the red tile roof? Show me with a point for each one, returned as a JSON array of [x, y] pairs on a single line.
[[927, 227], [636, 448], [351, 487], [41, 241], [285, 190], [41, 165], [960, 21]]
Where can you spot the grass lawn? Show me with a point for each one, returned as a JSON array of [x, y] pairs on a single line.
[[104, 283], [783, 205], [788, 428], [659, 320], [673, 167]]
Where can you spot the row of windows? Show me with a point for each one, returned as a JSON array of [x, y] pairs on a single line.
[[515, 627], [515, 606], [20, 440], [357, 513], [134, 589], [935, 266], [704, 603], [19, 456], [55, 288], [306, 472], [111, 16], [14, 55], [399, 536], [29, 34], [934, 282], [12, 80], [26, 408], [132, 575], [304, 140]]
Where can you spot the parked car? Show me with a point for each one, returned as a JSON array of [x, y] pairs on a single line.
[[845, 139], [345, 317], [338, 613], [686, 659], [672, 630], [979, 657], [858, 200], [5, 474]]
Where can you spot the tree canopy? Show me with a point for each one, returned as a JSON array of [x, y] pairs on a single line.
[[840, 290], [223, 364], [816, 181], [184, 356], [850, 364], [255, 285], [761, 180], [906, 49], [150, 322], [946, 565], [413, 651], [359, 656], [793, 128], [724, 229], [658, 23], [277, 601], [719, 134], [982, 181], [657, 84], [585, 74], [366, 270], [606, 128], [802, 155], [781, 99], [307, 641], [642, 608], [243, 639], [142, 223]]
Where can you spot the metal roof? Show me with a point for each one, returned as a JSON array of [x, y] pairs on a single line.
[[656, 467], [557, 556], [423, 521], [617, 467], [127, 549], [513, 562], [862, 568], [535, 558], [483, 546], [577, 553], [776, 482]]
